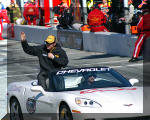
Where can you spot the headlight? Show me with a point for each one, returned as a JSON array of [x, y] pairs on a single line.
[[86, 102]]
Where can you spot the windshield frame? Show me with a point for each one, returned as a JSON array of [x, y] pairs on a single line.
[[114, 73]]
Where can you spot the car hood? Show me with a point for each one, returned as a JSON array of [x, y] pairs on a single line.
[[122, 98]]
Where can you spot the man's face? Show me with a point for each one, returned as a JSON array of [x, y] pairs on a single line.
[[50, 46], [91, 79]]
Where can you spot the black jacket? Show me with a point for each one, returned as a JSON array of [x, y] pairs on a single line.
[[46, 64]]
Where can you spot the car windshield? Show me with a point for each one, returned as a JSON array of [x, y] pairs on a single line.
[[87, 78]]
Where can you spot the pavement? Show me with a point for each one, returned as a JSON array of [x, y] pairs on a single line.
[[3, 77], [23, 67]]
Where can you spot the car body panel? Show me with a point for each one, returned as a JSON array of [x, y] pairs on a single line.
[[108, 100], [104, 96]]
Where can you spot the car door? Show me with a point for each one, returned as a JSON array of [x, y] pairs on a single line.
[[39, 104]]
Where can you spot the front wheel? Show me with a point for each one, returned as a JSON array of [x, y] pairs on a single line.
[[15, 110], [65, 113]]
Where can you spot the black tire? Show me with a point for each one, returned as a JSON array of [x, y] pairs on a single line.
[[15, 110], [65, 113]]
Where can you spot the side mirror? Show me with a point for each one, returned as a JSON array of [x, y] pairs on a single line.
[[34, 83], [133, 81], [38, 89]]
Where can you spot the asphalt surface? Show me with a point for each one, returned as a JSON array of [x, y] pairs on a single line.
[[3, 77], [15, 65]]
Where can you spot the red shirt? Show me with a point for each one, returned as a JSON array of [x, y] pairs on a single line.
[[30, 10], [144, 24], [96, 17]]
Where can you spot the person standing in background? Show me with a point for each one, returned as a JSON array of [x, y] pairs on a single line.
[[96, 20], [13, 11], [65, 15], [128, 18], [143, 28], [1, 21], [131, 12], [31, 12]]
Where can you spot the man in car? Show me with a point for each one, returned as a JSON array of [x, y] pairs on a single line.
[[89, 83], [51, 56]]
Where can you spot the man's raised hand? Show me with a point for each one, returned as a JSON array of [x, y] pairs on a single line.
[[23, 36]]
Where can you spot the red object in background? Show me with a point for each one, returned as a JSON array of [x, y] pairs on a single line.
[[44, 5], [31, 13], [45, 8], [5, 20], [62, 7], [143, 29], [85, 28], [134, 30], [47, 12], [96, 19], [56, 2], [1, 23], [12, 1], [5, 16]]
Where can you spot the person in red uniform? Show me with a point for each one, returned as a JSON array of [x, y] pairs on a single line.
[[143, 28], [31, 12], [2, 16], [3, 19], [96, 20], [1, 25]]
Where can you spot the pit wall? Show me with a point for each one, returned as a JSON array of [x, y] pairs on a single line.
[[106, 42]]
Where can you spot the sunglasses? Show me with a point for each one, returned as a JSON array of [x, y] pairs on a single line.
[[48, 43]]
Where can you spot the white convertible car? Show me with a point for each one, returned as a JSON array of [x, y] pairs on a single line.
[[71, 96]]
